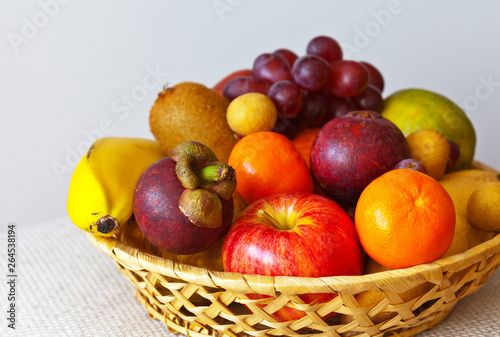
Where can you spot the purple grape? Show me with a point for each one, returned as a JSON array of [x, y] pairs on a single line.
[[261, 59], [287, 98], [271, 68], [310, 72], [374, 76], [347, 78], [286, 127], [314, 110], [337, 107], [454, 156], [411, 164], [325, 47], [243, 84], [369, 99], [290, 56]]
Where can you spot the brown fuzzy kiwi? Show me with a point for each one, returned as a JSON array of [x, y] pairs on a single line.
[[190, 111]]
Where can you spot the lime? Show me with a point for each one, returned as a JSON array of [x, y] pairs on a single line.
[[416, 109]]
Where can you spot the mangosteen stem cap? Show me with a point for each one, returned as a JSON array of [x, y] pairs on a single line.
[[202, 207], [219, 178], [206, 181], [191, 157]]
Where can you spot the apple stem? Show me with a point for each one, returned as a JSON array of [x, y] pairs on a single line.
[[271, 219]]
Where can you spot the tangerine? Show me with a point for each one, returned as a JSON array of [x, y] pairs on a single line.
[[267, 163], [303, 142], [405, 218]]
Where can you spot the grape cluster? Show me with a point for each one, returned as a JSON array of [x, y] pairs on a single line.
[[310, 90]]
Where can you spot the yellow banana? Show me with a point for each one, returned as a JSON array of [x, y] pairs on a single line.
[[102, 186]]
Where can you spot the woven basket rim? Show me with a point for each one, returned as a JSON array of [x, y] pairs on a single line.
[[411, 277], [394, 280]]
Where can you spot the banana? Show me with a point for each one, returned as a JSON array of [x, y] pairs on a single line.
[[102, 185]]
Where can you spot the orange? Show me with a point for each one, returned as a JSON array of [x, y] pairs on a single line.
[[303, 142], [267, 163], [405, 218]]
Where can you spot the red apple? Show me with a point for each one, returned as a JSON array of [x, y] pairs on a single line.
[[301, 234]]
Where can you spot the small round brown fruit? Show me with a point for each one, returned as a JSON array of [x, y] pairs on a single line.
[[190, 111], [483, 209], [431, 149]]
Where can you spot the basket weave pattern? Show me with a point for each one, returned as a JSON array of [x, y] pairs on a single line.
[[199, 302]]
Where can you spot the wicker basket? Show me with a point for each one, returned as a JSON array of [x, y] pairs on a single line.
[[199, 302]]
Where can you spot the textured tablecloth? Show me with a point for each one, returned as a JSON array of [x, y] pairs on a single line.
[[67, 287]]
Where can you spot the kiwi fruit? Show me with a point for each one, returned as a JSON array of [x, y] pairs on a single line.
[[190, 111]]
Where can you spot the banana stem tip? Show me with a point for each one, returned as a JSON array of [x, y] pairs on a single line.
[[107, 224]]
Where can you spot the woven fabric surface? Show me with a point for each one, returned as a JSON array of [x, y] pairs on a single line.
[[66, 287]]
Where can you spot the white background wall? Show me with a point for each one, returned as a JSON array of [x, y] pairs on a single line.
[[69, 68]]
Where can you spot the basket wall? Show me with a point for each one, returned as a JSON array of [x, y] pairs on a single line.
[[199, 302]]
